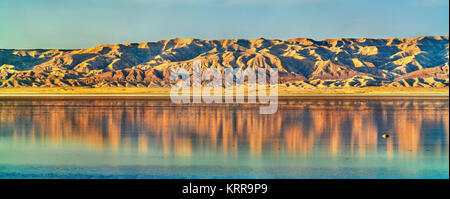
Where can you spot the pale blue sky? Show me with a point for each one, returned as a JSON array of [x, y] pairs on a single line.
[[87, 23]]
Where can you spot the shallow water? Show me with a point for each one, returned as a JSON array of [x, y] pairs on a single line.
[[153, 138]]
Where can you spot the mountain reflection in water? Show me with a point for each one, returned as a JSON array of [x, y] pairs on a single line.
[[164, 134]]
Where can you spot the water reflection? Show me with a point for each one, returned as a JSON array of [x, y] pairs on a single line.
[[153, 138], [298, 128]]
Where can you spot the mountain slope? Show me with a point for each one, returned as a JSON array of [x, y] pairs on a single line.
[[302, 62]]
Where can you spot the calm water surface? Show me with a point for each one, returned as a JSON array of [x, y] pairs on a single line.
[[153, 138]]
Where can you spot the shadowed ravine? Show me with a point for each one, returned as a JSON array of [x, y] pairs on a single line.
[[302, 63]]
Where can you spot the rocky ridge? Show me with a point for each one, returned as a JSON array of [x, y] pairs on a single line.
[[302, 62]]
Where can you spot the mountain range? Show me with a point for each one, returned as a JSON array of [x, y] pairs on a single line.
[[302, 62]]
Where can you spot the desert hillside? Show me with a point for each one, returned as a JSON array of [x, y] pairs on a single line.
[[302, 62]]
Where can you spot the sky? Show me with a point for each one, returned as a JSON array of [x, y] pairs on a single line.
[[69, 24]]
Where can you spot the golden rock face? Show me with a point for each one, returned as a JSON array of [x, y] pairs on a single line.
[[412, 62]]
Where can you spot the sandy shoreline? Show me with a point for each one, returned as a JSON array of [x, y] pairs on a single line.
[[167, 97], [164, 93]]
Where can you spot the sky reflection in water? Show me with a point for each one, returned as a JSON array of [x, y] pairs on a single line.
[[306, 138]]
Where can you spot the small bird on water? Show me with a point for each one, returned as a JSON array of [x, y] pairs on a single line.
[[385, 136]]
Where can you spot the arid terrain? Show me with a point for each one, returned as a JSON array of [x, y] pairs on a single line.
[[303, 64]]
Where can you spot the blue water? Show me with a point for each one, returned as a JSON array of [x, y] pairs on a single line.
[[153, 138]]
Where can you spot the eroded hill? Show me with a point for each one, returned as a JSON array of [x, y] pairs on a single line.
[[302, 62]]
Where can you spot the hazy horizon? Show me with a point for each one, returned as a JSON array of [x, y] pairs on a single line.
[[51, 24], [215, 39]]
